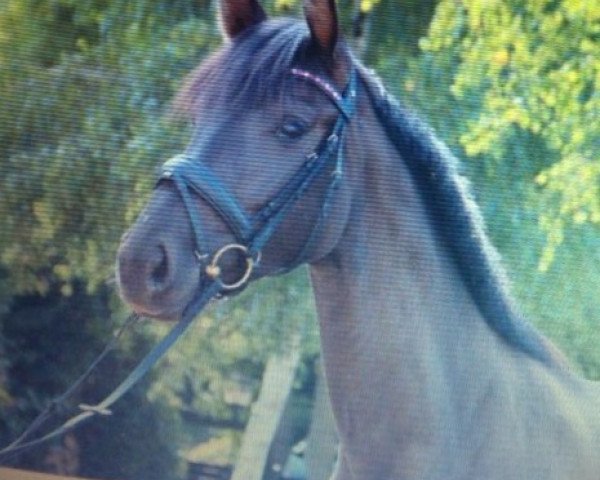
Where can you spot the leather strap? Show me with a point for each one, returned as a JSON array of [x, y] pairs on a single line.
[[103, 407], [253, 231]]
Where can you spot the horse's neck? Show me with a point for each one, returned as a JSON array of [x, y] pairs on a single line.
[[414, 371], [397, 323]]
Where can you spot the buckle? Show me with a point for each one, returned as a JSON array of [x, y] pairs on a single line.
[[96, 409]]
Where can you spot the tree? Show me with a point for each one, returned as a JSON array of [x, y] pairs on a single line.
[[537, 67], [81, 127], [493, 79], [48, 341]]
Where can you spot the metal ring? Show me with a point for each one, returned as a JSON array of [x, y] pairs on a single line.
[[213, 270]]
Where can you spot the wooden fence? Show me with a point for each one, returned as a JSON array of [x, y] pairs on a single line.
[[12, 474], [266, 416]]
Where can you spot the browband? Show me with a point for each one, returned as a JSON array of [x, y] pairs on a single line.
[[334, 95]]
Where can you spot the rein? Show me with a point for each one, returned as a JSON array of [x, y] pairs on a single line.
[[251, 231], [102, 408]]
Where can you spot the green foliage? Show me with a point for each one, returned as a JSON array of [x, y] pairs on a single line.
[[49, 341], [233, 340], [478, 63], [537, 67], [81, 128]]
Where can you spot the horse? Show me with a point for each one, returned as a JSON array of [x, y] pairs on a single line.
[[300, 156]]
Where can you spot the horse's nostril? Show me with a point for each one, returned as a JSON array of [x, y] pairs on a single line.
[[160, 270]]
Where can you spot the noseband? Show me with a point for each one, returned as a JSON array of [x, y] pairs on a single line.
[[253, 230]]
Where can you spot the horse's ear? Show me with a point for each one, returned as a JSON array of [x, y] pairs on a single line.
[[238, 15], [321, 16]]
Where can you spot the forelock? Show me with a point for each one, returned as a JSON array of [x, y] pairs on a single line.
[[247, 72]]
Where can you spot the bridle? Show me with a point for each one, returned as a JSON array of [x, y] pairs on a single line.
[[253, 230]]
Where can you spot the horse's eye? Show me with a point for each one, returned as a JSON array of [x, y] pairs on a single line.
[[292, 128]]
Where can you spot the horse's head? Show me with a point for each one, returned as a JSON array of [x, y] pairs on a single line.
[[259, 188]]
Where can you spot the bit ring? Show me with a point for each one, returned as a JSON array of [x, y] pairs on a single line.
[[213, 270]]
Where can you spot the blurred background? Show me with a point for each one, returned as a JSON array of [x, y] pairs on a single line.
[[85, 86]]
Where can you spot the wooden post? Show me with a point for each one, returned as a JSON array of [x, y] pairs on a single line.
[[321, 450], [266, 414]]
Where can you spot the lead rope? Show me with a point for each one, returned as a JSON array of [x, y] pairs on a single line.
[[103, 407]]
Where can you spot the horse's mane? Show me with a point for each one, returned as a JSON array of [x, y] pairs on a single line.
[[253, 69], [456, 218]]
